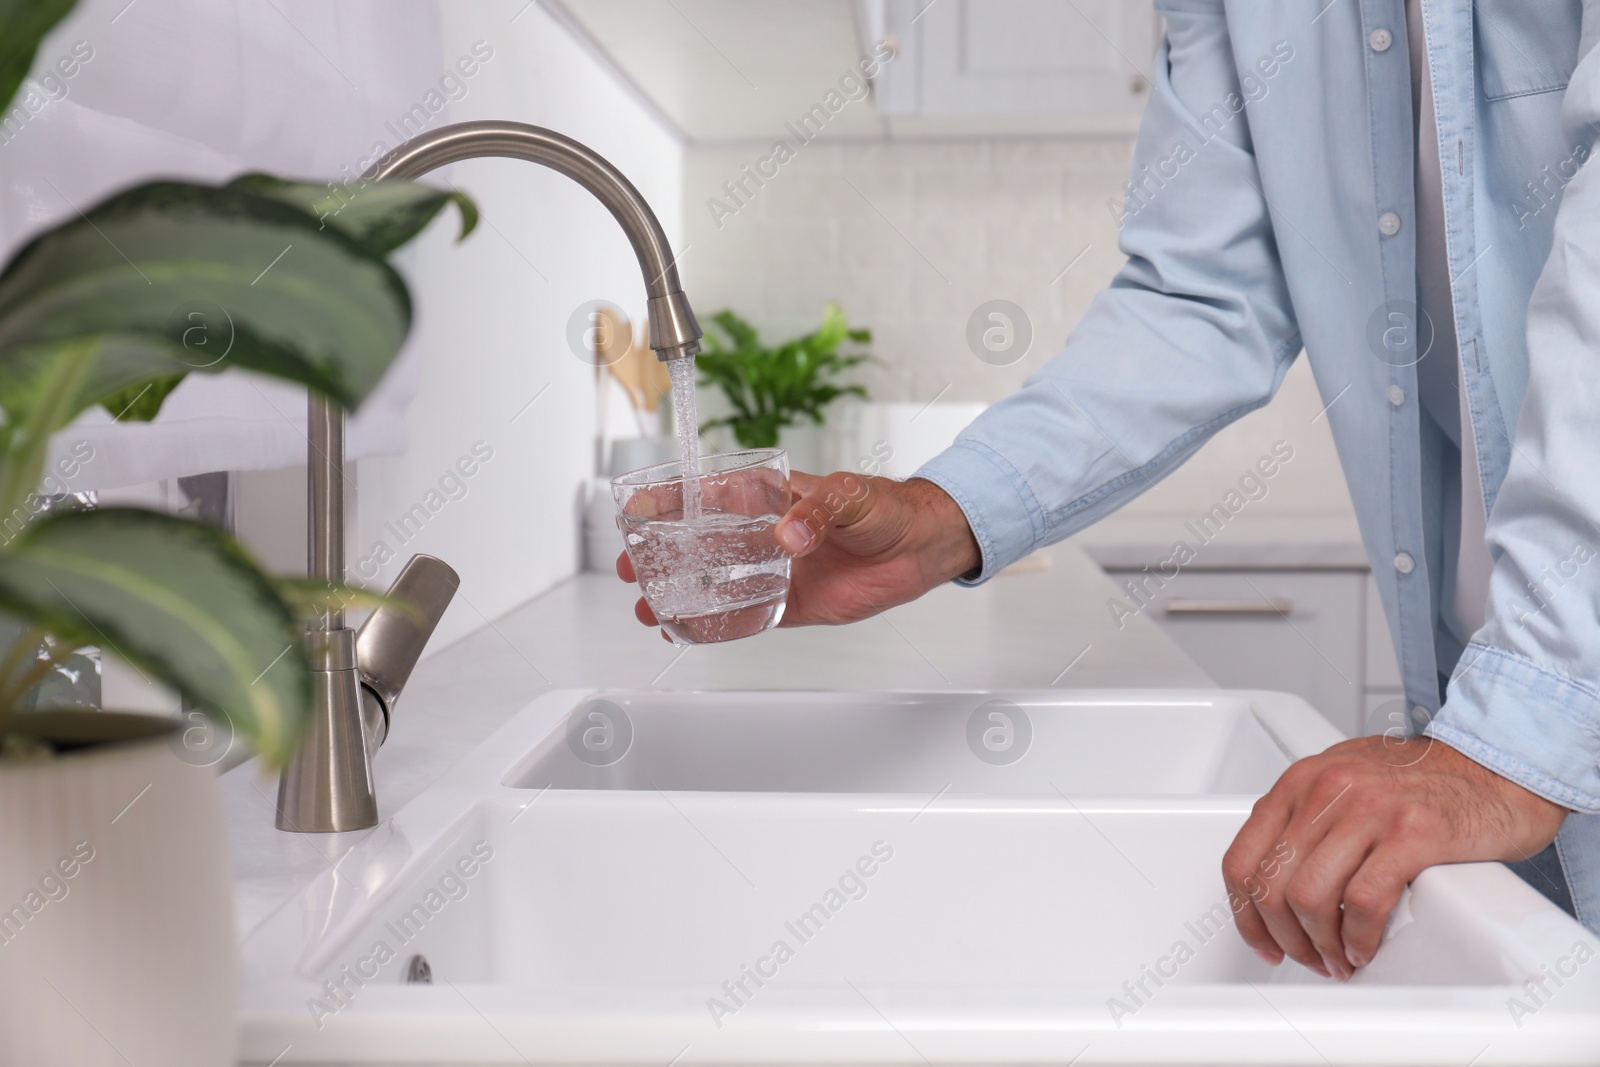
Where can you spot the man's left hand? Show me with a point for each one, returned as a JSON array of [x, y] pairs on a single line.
[[1324, 856]]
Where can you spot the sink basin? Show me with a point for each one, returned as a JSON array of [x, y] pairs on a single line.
[[869, 878], [1015, 744]]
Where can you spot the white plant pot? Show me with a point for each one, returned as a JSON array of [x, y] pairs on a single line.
[[117, 941]]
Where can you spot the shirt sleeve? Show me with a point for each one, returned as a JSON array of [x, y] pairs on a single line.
[[1525, 697], [1195, 330]]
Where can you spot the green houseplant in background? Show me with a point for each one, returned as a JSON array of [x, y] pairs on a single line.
[[114, 307], [771, 388]]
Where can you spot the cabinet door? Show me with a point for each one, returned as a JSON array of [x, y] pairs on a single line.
[[1383, 670], [1294, 631], [1019, 57]]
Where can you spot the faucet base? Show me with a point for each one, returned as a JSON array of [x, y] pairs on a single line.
[[327, 785]]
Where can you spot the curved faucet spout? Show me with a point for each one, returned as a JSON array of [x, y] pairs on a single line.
[[327, 786], [674, 333]]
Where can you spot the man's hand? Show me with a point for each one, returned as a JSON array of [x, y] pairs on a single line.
[[861, 545], [1321, 862]]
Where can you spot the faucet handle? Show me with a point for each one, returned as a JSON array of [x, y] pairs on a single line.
[[392, 639]]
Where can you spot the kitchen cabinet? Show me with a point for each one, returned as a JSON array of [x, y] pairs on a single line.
[[1016, 57], [1317, 633]]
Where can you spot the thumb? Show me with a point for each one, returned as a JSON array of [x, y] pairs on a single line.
[[825, 503]]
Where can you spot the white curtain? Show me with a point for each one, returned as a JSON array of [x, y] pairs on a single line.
[[205, 89]]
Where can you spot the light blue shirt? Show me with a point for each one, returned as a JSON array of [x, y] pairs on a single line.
[[1271, 209]]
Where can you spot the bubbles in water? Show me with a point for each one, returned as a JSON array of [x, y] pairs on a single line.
[[711, 579], [687, 420]]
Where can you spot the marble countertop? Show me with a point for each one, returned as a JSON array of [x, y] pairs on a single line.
[[1246, 542], [1044, 623]]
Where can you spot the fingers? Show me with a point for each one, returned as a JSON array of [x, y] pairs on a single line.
[[1259, 865], [1248, 867], [641, 610], [1372, 893], [1316, 890], [1267, 894], [801, 483], [825, 503], [1321, 850], [655, 501]]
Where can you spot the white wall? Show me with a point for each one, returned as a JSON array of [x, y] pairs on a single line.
[[911, 236]]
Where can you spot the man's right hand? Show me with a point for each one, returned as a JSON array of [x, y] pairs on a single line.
[[861, 546]]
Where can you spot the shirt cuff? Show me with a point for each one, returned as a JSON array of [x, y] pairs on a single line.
[[1531, 725], [1004, 515]]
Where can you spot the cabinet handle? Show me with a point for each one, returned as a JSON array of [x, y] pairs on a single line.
[[1276, 606]]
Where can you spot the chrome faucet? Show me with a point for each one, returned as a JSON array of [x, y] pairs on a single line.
[[357, 676]]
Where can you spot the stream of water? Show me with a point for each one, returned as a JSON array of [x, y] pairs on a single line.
[[687, 420]]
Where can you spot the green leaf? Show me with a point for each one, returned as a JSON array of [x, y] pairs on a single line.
[[27, 440], [23, 24], [115, 363], [380, 215], [140, 403], [740, 331], [833, 330], [169, 277], [179, 600]]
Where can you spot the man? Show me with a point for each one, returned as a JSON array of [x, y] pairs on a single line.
[[1383, 183]]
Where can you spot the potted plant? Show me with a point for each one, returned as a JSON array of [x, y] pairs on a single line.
[[779, 392], [116, 932]]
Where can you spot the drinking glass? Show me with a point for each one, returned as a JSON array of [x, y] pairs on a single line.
[[716, 573]]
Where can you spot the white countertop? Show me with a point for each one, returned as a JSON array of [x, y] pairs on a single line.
[[1247, 542], [1043, 624]]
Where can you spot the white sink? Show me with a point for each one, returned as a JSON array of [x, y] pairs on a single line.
[[932, 904], [1032, 743]]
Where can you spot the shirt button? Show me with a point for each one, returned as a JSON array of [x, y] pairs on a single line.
[[1380, 40], [1397, 395], [1404, 563], [1388, 224]]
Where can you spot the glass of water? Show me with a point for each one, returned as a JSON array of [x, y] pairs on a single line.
[[703, 546]]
